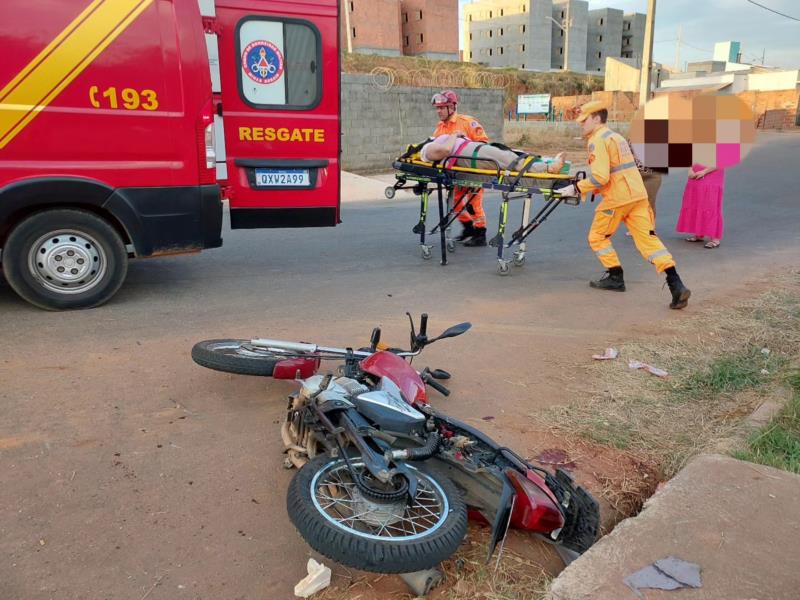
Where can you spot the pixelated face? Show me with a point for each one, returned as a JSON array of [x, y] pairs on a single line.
[[444, 111], [710, 130]]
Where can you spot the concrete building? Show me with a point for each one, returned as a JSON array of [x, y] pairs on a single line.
[[426, 28], [633, 36], [727, 52], [578, 13], [624, 75], [509, 33], [529, 34], [430, 28], [604, 38]]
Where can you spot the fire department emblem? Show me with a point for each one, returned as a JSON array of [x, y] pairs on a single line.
[[263, 62]]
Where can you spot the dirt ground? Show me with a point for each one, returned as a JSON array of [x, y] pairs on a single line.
[[129, 473]]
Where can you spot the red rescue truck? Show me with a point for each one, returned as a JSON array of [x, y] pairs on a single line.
[[123, 124]]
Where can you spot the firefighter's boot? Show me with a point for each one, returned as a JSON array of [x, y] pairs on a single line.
[[612, 281], [467, 231], [478, 238], [680, 293]]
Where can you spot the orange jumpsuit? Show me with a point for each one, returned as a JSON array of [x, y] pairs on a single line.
[[616, 179], [469, 127]]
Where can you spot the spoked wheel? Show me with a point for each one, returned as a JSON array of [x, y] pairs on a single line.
[[236, 356], [355, 528]]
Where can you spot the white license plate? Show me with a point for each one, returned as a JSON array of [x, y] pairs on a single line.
[[282, 178]]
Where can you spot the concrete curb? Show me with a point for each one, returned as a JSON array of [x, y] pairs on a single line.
[[739, 521]]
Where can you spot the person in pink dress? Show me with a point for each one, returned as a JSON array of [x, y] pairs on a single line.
[[701, 210]]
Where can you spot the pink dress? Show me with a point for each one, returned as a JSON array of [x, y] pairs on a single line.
[[701, 210]]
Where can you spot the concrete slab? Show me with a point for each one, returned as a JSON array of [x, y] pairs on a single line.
[[739, 521], [357, 188]]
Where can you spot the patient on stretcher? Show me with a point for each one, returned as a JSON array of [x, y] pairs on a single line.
[[485, 156]]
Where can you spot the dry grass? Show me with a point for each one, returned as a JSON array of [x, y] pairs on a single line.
[[467, 576], [722, 364], [513, 577], [388, 71]]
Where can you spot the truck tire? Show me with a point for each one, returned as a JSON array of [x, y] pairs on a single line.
[[235, 356], [357, 542], [65, 259]]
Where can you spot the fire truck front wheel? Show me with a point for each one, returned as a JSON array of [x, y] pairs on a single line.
[[65, 259]]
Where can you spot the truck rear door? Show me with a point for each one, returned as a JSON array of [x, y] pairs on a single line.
[[280, 111]]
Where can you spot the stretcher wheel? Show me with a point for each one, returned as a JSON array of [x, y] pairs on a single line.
[[426, 252], [519, 259], [451, 246], [502, 267], [389, 192]]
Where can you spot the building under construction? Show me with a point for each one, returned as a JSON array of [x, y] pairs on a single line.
[[544, 35]]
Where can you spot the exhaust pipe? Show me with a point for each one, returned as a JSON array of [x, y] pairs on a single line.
[[420, 453]]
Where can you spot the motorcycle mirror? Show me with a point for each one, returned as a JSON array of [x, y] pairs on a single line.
[[413, 332], [454, 331], [375, 339]]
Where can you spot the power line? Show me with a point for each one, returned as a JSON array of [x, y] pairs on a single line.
[[773, 11], [696, 48]]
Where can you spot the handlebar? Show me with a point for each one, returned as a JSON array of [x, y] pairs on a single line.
[[428, 379], [437, 386], [305, 348]]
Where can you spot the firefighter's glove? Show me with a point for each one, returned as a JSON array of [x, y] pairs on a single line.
[[569, 191]]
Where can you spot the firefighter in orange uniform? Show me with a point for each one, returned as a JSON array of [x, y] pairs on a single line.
[[473, 219], [616, 180]]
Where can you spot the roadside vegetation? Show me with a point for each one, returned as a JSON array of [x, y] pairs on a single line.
[[413, 71], [778, 444], [723, 364]]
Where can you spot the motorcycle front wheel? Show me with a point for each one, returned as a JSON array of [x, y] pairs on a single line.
[[397, 536], [236, 356]]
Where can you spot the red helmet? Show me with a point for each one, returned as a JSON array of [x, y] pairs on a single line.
[[444, 98]]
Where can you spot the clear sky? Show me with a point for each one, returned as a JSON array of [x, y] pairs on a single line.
[[704, 22]]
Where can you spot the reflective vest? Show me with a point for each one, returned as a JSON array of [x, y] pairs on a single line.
[[463, 124], [614, 178]]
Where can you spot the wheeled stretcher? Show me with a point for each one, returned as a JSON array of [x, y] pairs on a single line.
[[424, 178]]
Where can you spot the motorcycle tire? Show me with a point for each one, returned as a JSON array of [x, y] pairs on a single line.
[[358, 545], [235, 356]]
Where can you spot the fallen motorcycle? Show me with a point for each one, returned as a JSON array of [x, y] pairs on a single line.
[[385, 481]]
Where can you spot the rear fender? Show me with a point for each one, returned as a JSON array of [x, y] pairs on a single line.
[[293, 368]]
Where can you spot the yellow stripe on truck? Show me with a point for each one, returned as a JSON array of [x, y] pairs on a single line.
[[55, 67]]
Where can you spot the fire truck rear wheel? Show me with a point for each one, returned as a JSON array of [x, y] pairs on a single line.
[[65, 259]]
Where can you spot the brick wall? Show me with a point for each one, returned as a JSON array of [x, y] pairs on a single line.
[[438, 27], [621, 105], [376, 24], [377, 125], [773, 109], [784, 103]]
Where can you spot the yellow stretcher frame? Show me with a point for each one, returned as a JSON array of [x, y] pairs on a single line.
[[511, 184]]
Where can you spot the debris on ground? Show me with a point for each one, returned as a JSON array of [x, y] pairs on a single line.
[[556, 457], [635, 364], [609, 354], [318, 578], [665, 574]]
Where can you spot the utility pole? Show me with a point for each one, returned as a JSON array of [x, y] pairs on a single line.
[[678, 50], [763, 52], [347, 25], [647, 58], [566, 38]]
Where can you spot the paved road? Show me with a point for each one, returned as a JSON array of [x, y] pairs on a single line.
[[124, 466]]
